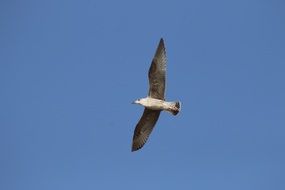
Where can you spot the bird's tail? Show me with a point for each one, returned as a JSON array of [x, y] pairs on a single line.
[[175, 107]]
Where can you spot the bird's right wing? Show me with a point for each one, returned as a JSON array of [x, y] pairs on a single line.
[[144, 128]]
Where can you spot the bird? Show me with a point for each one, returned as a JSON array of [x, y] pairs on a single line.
[[155, 102]]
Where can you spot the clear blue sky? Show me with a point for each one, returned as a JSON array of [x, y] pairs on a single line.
[[69, 71]]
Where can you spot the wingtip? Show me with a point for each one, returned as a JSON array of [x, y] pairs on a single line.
[[135, 149]]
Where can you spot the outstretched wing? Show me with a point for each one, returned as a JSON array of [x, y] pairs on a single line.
[[157, 71], [144, 128]]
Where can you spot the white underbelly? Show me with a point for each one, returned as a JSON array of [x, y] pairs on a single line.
[[155, 104]]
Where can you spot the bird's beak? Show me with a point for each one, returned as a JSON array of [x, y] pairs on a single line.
[[134, 102]]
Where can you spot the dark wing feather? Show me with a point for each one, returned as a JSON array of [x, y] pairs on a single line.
[[144, 128], [156, 73]]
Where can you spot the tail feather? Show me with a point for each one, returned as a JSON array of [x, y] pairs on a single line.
[[175, 108]]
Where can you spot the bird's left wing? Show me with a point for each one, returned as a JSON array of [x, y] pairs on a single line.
[[144, 128], [157, 72]]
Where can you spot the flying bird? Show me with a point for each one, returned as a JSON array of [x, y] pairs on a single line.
[[155, 102]]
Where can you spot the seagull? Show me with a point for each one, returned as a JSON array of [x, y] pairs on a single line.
[[155, 102]]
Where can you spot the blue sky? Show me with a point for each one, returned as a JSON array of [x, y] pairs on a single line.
[[69, 71]]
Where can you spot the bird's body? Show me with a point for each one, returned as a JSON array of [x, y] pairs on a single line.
[[155, 102]]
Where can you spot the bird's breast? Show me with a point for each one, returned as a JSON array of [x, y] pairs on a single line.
[[154, 104]]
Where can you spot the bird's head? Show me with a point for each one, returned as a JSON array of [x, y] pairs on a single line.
[[138, 101]]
